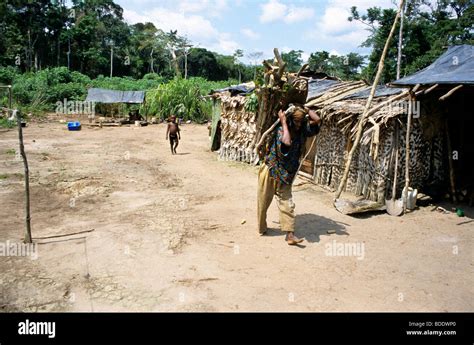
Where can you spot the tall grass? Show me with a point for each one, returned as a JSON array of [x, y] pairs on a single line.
[[183, 98], [38, 92]]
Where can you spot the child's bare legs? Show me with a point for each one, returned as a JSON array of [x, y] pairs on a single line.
[[176, 142], [171, 145]]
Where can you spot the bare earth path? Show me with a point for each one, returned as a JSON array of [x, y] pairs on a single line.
[[169, 235]]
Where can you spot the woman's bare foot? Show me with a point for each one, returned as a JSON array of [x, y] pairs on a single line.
[[291, 239]]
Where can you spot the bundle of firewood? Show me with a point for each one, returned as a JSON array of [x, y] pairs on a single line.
[[280, 90]]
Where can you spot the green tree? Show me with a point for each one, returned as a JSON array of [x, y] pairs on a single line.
[[203, 63], [319, 61], [239, 53], [293, 60], [429, 28]]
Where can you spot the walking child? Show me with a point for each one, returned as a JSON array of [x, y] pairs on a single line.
[[174, 133]]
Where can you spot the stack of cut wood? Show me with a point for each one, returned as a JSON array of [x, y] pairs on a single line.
[[280, 89]]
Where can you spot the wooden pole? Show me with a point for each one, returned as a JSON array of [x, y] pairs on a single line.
[[9, 96], [400, 41], [407, 153], [451, 165], [360, 125], [111, 60], [28, 238]]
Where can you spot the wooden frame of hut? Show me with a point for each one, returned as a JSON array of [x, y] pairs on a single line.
[[434, 107], [445, 90], [340, 105], [438, 99]]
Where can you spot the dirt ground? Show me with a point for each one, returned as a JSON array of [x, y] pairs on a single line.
[[156, 232]]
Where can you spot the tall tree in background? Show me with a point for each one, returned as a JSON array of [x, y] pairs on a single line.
[[239, 53], [293, 60], [319, 61], [429, 28], [255, 57], [344, 67]]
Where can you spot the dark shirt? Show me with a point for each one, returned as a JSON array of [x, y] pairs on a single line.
[[282, 160]]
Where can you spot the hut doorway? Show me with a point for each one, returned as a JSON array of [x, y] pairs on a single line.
[[307, 166]]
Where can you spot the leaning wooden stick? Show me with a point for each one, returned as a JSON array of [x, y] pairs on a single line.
[[360, 125], [265, 134], [27, 179], [272, 127], [442, 98], [407, 151]]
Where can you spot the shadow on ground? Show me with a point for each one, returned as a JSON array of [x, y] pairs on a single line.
[[312, 226]]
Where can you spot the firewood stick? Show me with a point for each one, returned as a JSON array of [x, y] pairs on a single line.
[[278, 57], [264, 135], [345, 175], [302, 69], [281, 63], [267, 65]]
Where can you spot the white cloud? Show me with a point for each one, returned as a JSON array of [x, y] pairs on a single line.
[[335, 31], [195, 27], [305, 56], [335, 21], [225, 44], [249, 33], [133, 17], [296, 14], [212, 8], [192, 6], [274, 10]]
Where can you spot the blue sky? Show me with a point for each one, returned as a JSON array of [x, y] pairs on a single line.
[[259, 25]]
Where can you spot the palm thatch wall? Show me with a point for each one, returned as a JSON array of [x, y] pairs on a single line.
[[238, 129], [340, 105], [371, 172]]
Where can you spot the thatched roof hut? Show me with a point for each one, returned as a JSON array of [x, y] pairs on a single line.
[[341, 103], [445, 90], [439, 147]]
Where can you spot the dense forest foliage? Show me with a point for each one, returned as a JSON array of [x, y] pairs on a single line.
[[55, 49]]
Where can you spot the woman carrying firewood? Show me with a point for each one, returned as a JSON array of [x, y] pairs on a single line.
[[280, 166]]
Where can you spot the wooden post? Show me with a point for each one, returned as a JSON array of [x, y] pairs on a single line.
[[28, 238], [10, 96], [362, 119], [400, 39], [407, 152], [451, 165]]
